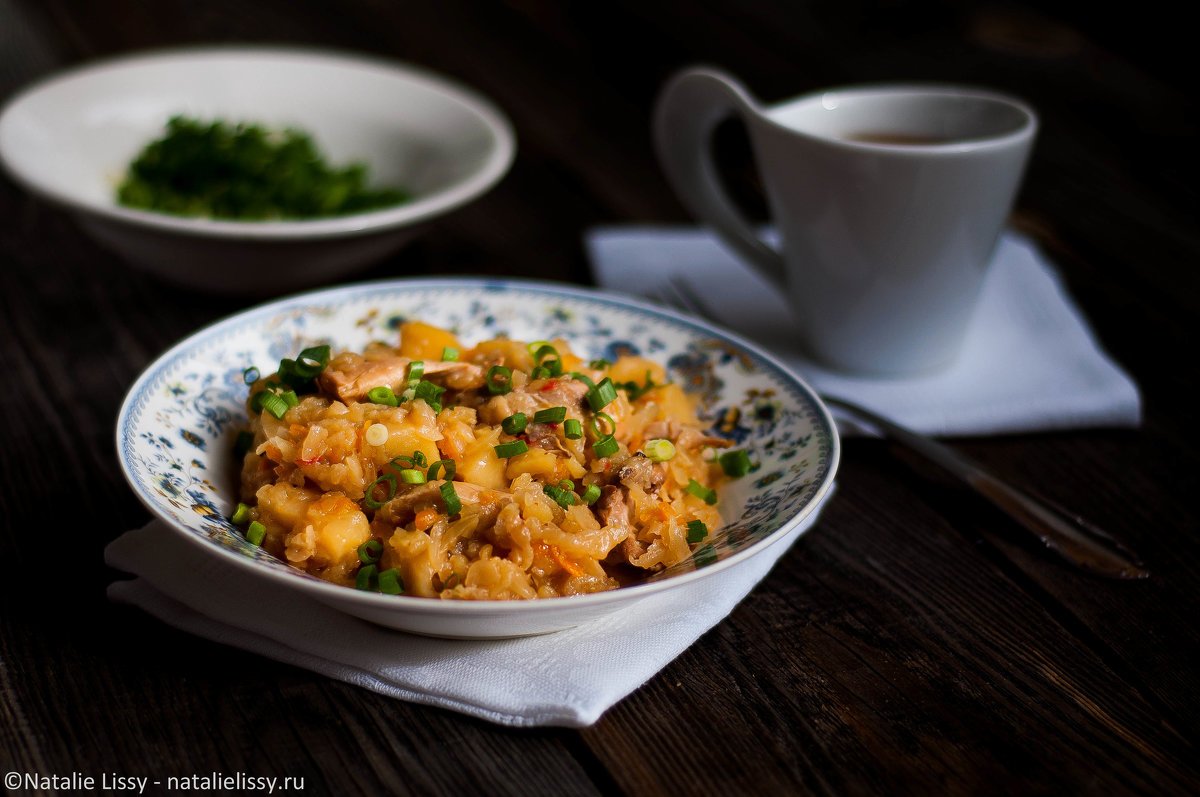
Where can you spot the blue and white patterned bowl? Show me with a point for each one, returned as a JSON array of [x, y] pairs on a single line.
[[177, 427]]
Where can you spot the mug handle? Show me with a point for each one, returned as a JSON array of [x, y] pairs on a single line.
[[685, 115]]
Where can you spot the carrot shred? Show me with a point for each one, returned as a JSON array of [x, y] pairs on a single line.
[[425, 518], [555, 553]]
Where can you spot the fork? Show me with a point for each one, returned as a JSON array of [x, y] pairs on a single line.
[[1072, 538]]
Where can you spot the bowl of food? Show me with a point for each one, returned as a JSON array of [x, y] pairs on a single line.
[[259, 170], [475, 458]]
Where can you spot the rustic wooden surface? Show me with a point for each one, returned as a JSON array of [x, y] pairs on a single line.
[[912, 643]]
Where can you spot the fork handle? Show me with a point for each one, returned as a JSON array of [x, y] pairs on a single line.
[[1069, 536]]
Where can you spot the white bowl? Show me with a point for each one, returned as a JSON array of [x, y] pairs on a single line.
[[70, 138], [178, 424]]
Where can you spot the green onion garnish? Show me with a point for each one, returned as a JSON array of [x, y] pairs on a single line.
[[390, 582], [273, 403], [499, 380], [370, 551], [256, 533], [240, 515], [311, 362], [449, 354], [592, 494], [412, 476], [700, 491], [416, 369], [696, 531], [250, 375], [587, 380], [550, 415], [453, 505], [366, 578], [735, 463], [660, 450], [390, 480], [431, 393], [603, 394], [573, 429], [514, 424], [567, 484], [599, 365], [599, 431], [446, 465], [540, 372], [540, 349], [505, 450], [606, 446], [383, 395], [290, 397], [563, 498]]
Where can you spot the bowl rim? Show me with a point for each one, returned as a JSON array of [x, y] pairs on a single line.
[[497, 164], [335, 593]]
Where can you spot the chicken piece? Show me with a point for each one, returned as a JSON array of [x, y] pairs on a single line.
[[403, 508], [687, 437], [613, 509], [354, 379], [536, 395], [641, 471]]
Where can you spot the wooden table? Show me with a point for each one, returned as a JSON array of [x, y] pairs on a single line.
[[912, 643]]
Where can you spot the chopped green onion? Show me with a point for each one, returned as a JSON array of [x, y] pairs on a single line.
[[606, 446], [431, 393], [660, 450], [250, 375], [539, 349], [550, 415], [383, 395], [442, 464], [311, 362], [240, 515], [449, 354], [514, 424], [599, 365], [603, 394], [412, 476], [370, 551], [390, 480], [540, 372], [735, 463], [416, 369], [499, 380], [242, 444], [563, 498], [290, 397], [273, 403], [700, 491], [573, 429], [587, 380], [367, 577], [592, 494], [256, 533], [390, 582], [597, 430], [567, 484], [696, 531], [453, 504], [554, 367], [505, 450]]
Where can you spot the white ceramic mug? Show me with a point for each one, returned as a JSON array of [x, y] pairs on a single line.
[[888, 201]]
